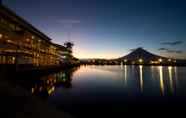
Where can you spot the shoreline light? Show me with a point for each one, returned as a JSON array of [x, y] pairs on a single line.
[[125, 60], [160, 60], [140, 60]]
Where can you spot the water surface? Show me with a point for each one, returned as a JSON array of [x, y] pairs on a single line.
[[95, 89]]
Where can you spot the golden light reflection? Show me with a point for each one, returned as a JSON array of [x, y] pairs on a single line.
[[161, 80], [87, 71], [121, 65], [125, 74], [170, 78], [50, 91], [32, 90], [141, 78]]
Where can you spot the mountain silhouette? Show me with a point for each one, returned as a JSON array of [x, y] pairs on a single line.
[[141, 53]]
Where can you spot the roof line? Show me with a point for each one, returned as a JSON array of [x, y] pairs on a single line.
[[26, 24]]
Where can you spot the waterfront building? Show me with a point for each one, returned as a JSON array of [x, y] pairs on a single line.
[[21, 43], [63, 53]]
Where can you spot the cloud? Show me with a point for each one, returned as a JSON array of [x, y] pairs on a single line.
[[174, 51], [170, 51], [162, 49], [172, 43]]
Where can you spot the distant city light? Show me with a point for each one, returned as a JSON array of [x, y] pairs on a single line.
[[125, 60], [133, 62], [154, 62], [140, 60], [169, 60], [33, 37], [160, 60]]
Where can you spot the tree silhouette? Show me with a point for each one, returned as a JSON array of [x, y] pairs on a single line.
[[69, 45]]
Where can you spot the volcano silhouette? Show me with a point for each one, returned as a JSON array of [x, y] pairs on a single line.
[[141, 53]]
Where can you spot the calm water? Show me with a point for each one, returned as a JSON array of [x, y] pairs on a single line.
[[91, 89]]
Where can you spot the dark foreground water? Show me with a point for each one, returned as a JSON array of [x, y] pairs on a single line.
[[113, 90]]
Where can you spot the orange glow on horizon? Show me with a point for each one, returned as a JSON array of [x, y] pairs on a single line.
[[92, 54]]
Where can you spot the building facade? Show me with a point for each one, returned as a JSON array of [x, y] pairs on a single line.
[[21, 43]]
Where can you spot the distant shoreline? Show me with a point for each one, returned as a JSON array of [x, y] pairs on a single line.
[[184, 65]]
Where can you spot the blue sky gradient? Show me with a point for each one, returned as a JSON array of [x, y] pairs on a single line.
[[108, 28]]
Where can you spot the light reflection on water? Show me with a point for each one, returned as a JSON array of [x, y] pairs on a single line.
[[125, 71], [141, 77], [161, 80], [86, 88], [171, 79], [113, 82], [89, 87]]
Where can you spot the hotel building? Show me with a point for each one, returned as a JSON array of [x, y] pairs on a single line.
[[23, 44]]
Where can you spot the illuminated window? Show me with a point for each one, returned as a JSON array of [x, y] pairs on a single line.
[[27, 39], [1, 36], [8, 41]]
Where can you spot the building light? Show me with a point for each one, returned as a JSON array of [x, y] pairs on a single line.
[[1, 36], [133, 62], [169, 60], [125, 60], [27, 40], [160, 60], [33, 37], [152, 62], [140, 60], [8, 41]]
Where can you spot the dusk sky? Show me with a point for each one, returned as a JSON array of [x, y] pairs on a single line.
[[109, 28]]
